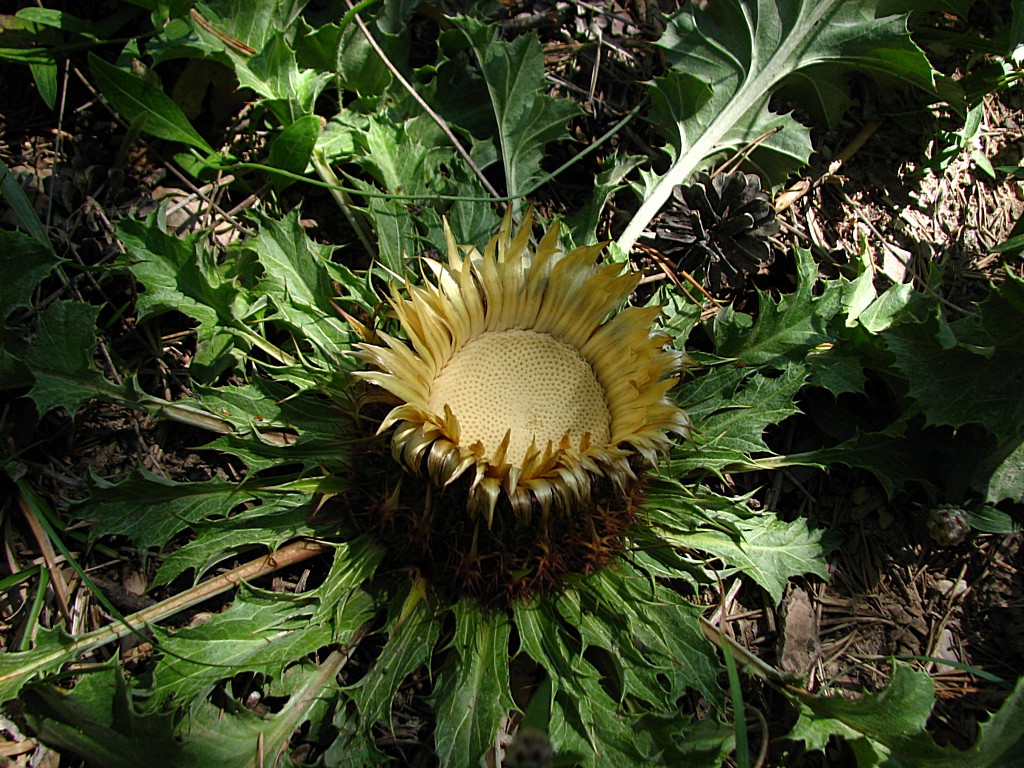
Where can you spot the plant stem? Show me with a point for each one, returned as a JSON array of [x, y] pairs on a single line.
[[441, 122], [340, 195], [296, 552]]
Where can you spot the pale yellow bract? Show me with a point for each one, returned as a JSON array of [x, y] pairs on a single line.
[[521, 371]]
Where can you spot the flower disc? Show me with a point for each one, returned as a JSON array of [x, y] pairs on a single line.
[[529, 384]]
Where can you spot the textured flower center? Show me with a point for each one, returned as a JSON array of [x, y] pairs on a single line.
[[524, 381]]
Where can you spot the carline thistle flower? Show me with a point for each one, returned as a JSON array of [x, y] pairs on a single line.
[[523, 374]]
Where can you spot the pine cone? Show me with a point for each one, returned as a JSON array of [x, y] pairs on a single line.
[[723, 222], [948, 524]]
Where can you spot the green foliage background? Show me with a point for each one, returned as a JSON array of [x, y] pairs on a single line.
[[617, 654]]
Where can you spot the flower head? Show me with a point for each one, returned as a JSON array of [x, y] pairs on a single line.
[[522, 369]]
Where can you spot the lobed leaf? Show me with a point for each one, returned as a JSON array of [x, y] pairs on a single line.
[[771, 553], [179, 275], [18, 668], [412, 631], [24, 261], [727, 60], [970, 371], [651, 635], [785, 329], [586, 724], [258, 632], [731, 410], [895, 455], [261, 527], [888, 728], [255, 40], [581, 225], [298, 280], [472, 692], [354, 563], [127, 509], [100, 721], [767, 549], [60, 357], [527, 118]]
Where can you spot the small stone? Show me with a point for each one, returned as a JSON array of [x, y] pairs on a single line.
[[950, 588]]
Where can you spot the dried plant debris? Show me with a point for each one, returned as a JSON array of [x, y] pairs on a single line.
[[719, 226]]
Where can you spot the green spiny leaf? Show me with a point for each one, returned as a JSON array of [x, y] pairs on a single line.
[[412, 634], [24, 262], [266, 27], [342, 600], [412, 157], [260, 527], [895, 455], [179, 274], [237, 739], [298, 281], [311, 451], [786, 329], [729, 57], [527, 118], [258, 632], [59, 356], [17, 668], [729, 424], [360, 68], [472, 692], [99, 721], [767, 549], [1006, 479], [888, 728], [889, 309], [771, 552], [253, 22], [836, 372], [273, 424], [586, 723], [274, 74], [651, 635], [354, 746], [150, 510], [971, 371], [397, 158]]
